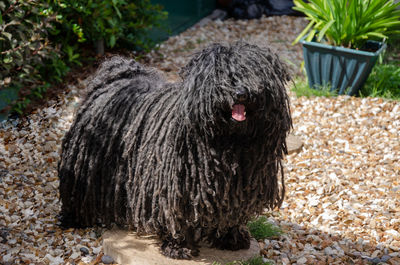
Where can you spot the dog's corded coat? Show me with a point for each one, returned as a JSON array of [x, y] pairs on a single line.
[[168, 158]]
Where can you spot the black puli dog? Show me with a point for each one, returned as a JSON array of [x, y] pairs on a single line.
[[190, 161]]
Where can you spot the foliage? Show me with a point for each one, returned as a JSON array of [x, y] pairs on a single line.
[[24, 50], [260, 228], [384, 81], [41, 40], [349, 23], [118, 22], [256, 261], [301, 89]]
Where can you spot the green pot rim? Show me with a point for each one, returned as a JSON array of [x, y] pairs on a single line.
[[343, 49]]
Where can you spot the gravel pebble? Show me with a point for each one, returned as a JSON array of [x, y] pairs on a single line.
[[86, 259], [375, 260], [74, 255], [107, 259], [84, 250], [97, 250], [302, 260]]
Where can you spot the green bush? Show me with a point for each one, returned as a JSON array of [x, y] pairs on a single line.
[[41, 40], [119, 23], [24, 51]]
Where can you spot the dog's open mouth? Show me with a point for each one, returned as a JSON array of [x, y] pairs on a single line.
[[238, 112]]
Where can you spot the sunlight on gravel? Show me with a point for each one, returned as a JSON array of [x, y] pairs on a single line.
[[345, 182], [342, 190]]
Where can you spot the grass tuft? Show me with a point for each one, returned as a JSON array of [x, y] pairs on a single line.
[[256, 261], [261, 229], [384, 81], [301, 89]]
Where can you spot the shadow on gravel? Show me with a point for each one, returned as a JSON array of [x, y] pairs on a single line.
[[309, 245]]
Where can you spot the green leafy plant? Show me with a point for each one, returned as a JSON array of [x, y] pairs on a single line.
[[260, 228], [349, 23], [301, 89], [24, 49], [115, 22], [40, 41], [384, 81], [256, 261]]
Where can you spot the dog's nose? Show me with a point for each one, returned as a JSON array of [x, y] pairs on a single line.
[[241, 95]]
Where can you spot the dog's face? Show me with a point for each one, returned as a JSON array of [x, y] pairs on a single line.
[[236, 90], [243, 107]]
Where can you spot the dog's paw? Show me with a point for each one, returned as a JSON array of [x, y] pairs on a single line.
[[236, 238], [176, 251]]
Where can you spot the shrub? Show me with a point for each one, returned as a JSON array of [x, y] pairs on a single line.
[[119, 23], [41, 40], [24, 51]]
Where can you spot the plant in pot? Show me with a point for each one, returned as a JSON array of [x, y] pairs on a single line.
[[343, 40]]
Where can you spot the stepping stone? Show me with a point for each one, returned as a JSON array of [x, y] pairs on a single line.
[[294, 143], [128, 249]]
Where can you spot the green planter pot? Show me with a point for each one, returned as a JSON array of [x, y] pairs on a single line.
[[7, 97], [346, 70]]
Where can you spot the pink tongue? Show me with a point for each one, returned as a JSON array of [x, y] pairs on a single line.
[[238, 112]]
